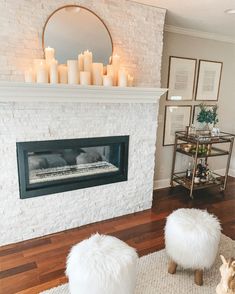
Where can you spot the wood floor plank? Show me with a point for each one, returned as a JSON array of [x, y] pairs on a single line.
[[17, 270], [6, 250]]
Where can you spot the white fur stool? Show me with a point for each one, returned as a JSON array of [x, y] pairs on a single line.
[[192, 237], [102, 265]]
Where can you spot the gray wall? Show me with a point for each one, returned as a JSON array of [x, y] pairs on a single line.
[[187, 46]]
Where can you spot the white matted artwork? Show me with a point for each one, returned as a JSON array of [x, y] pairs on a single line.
[[196, 111], [181, 78], [176, 119], [208, 82]]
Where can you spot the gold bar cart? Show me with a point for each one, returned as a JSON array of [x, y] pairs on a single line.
[[211, 144]]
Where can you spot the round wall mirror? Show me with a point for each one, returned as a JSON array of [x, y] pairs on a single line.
[[71, 30]]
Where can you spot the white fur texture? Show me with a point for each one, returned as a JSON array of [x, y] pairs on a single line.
[[102, 265], [192, 237]]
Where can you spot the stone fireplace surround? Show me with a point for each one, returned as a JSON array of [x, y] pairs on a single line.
[[45, 112]]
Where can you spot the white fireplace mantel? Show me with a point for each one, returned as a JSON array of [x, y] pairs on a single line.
[[25, 92]]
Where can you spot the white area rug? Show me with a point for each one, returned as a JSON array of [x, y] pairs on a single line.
[[152, 276]]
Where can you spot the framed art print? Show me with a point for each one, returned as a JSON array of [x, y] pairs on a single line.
[[208, 81], [181, 78], [176, 119]]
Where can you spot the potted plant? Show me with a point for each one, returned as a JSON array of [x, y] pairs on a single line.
[[208, 116]]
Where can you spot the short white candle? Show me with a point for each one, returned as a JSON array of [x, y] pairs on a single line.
[[122, 78], [73, 72], [87, 61], [130, 81], [107, 81], [54, 72], [85, 78], [49, 53], [80, 62], [29, 76], [42, 73], [97, 74], [63, 73]]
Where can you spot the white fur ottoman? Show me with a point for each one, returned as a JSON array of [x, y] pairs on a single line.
[[102, 265], [192, 237]]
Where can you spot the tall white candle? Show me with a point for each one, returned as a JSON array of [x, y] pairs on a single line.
[[116, 67], [36, 62], [87, 61], [122, 78], [54, 72], [107, 81], [97, 74], [63, 73], [116, 60], [72, 72], [80, 62], [85, 78], [130, 81], [29, 76], [110, 70], [49, 53], [42, 73]]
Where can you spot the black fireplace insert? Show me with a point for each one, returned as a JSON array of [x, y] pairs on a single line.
[[47, 167]]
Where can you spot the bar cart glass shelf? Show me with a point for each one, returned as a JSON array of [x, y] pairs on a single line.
[[202, 145]]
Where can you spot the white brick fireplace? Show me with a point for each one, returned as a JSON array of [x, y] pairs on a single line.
[[44, 112]]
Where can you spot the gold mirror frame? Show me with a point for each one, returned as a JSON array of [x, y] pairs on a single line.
[[79, 6]]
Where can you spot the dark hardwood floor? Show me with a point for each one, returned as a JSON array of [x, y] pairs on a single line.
[[35, 265]]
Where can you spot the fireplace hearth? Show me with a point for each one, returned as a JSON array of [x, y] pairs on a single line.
[[47, 167]]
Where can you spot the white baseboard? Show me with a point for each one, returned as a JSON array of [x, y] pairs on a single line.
[[232, 173], [159, 184], [164, 183], [221, 172]]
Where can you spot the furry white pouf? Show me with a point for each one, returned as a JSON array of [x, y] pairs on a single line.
[[192, 237], [102, 265]]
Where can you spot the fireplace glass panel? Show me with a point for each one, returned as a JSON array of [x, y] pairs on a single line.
[[47, 167], [61, 164]]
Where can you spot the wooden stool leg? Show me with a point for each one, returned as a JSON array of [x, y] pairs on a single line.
[[172, 267], [198, 277]]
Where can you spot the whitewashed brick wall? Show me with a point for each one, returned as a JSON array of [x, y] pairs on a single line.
[[28, 218], [136, 30], [137, 33]]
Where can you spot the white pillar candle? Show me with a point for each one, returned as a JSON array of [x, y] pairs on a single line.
[[49, 53], [80, 62], [97, 74], [107, 81], [116, 67], [36, 62], [110, 70], [29, 76], [122, 78], [42, 72], [72, 72], [54, 72], [130, 81], [87, 61], [116, 60], [63, 73], [85, 78]]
